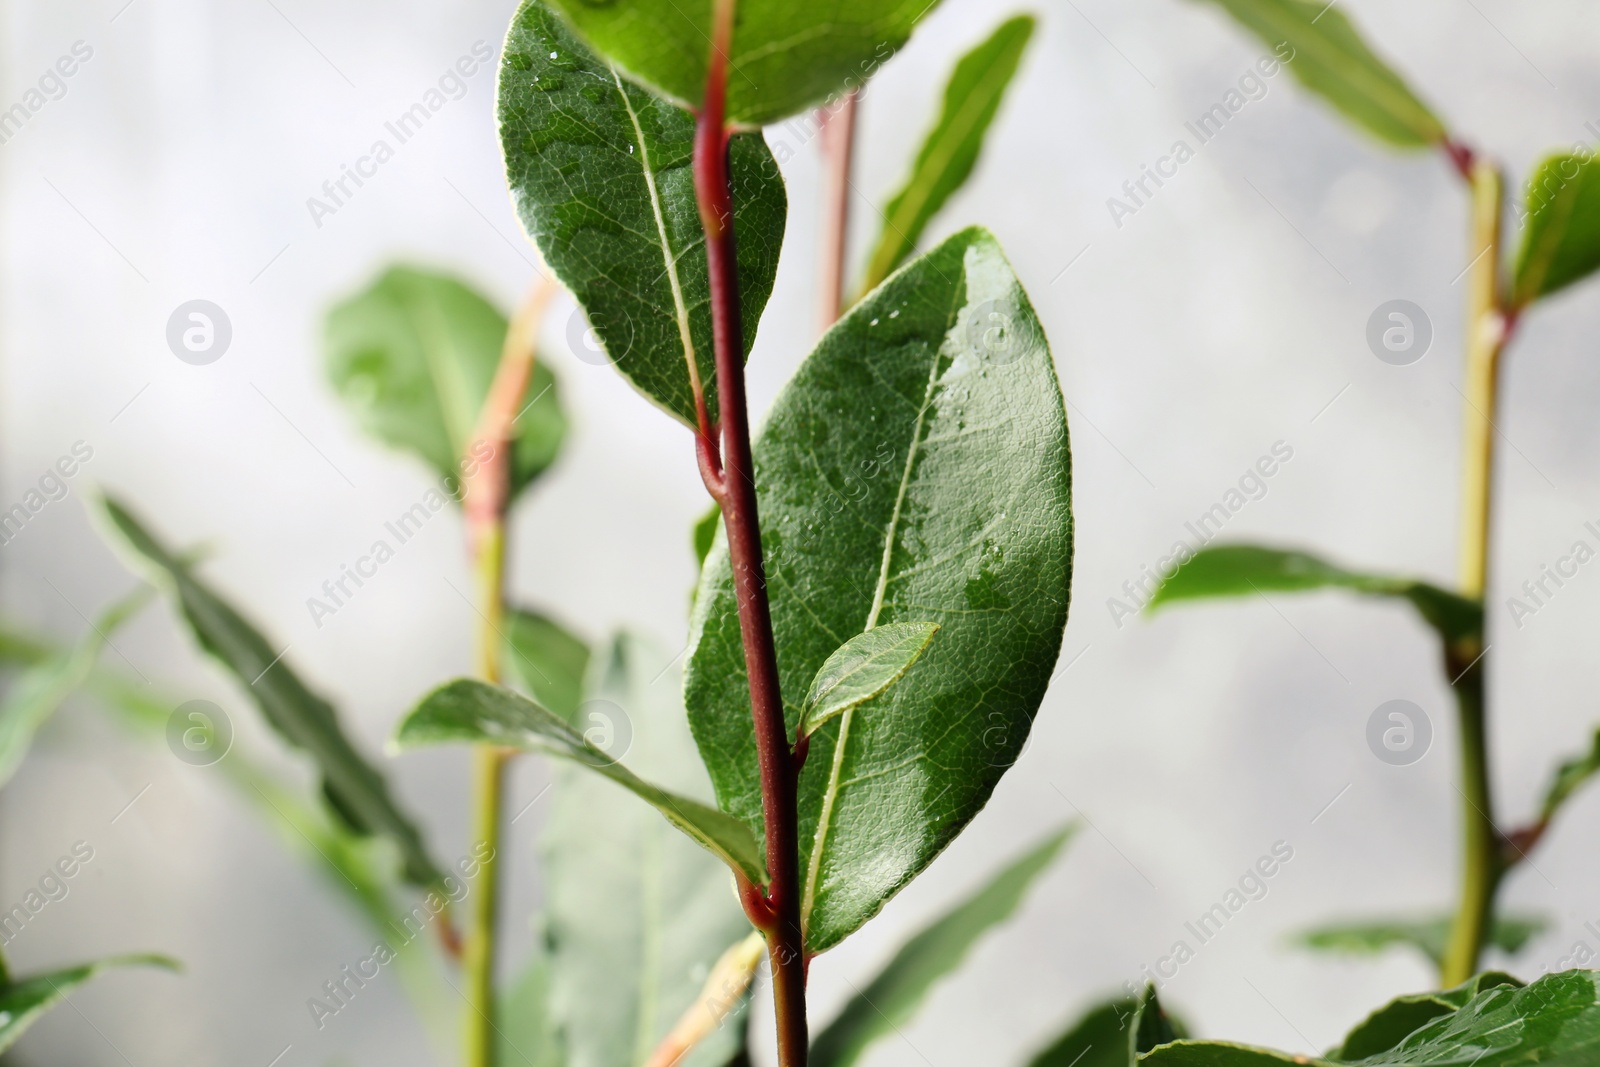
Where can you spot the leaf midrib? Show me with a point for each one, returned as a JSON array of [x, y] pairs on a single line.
[[836, 770]]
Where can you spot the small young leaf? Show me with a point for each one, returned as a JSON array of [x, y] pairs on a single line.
[[600, 171], [1151, 1026], [413, 355], [1569, 777], [474, 711], [1403, 1016], [951, 148], [786, 56], [23, 1000], [1322, 47], [547, 660], [1249, 570], [1561, 220], [303, 719], [625, 894], [893, 997], [1554, 1021], [1097, 1039], [43, 686], [863, 667], [915, 469], [1509, 934]]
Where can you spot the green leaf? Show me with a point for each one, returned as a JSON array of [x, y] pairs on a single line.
[[863, 667], [951, 148], [892, 998], [547, 660], [414, 354], [785, 57], [1366, 938], [1151, 1025], [1569, 777], [1554, 1022], [45, 685], [601, 174], [25, 999], [1326, 53], [705, 532], [1248, 570], [668, 910], [1561, 220], [916, 468], [1401, 1017], [473, 711], [1098, 1039], [307, 722]]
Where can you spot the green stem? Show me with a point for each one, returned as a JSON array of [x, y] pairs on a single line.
[[1487, 328]]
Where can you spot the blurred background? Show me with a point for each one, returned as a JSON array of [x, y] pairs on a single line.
[[1226, 315]]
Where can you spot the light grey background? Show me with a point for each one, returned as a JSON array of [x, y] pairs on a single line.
[[1226, 315]]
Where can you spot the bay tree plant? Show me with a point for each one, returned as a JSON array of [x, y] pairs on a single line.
[[1558, 247]]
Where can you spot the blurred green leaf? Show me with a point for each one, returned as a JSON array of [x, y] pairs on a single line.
[[785, 56], [1246, 570], [23, 1000], [626, 895], [1569, 777], [547, 660], [1403, 1016], [307, 722], [1554, 1022], [528, 1034], [892, 998], [863, 667], [1561, 227], [705, 533], [1330, 58], [473, 711], [915, 469], [950, 149], [413, 356], [1151, 1026], [48, 681], [600, 172], [1367, 938], [1099, 1038]]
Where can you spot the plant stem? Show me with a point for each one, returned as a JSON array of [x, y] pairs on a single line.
[[1486, 336], [487, 476], [730, 478], [838, 122]]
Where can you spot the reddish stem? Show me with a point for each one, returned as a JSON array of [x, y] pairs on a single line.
[[735, 490], [838, 121]]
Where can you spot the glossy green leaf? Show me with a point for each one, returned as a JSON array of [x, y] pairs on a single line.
[[950, 150], [785, 57], [473, 711], [413, 356], [42, 688], [1560, 222], [1097, 1039], [601, 174], [862, 668], [1327, 54], [547, 660], [915, 469], [668, 909], [892, 998], [23, 1000], [1249, 570], [1509, 934], [356, 791], [1403, 1016], [1554, 1022]]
